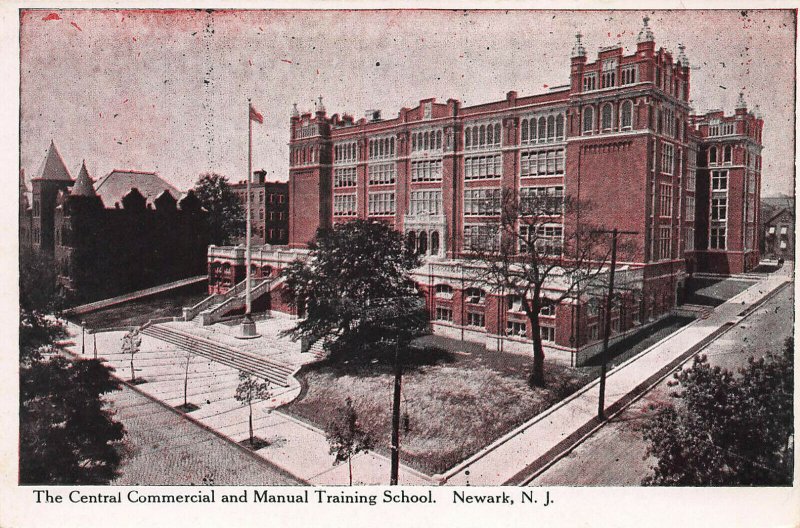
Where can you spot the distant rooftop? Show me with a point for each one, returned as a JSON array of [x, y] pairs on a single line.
[[119, 182]]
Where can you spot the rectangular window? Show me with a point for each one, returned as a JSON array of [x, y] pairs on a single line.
[[690, 208], [516, 329], [719, 209], [344, 204], [717, 237], [476, 319], [719, 180], [381, 203], [665, 209], [542, 163], [481, 237], [771, 230], [541, 201], [667, 158], [481, 202], [689, 239], [482, 167], [589, 82], [628, 74], [381, 174], [664, 243], [546, 239], [784, 230], [425, 203], [345, 152], [691, 179], [548, 333], [426, 170], [444, 313], [342, 177]]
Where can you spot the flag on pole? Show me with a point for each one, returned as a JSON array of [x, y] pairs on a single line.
[[255, 116]]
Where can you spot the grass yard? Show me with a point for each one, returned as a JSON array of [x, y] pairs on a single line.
[[455, 406]]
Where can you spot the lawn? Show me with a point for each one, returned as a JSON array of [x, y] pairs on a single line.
[[455, 406]]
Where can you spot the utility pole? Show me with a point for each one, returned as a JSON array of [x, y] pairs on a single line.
[[604, 353], [398, 379], [83, 338]]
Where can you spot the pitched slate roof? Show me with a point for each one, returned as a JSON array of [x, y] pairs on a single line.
[[53, 167], [119, 182], [84, 186]]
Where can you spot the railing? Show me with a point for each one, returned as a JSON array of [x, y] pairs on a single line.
[[86, 308], [236, 300]]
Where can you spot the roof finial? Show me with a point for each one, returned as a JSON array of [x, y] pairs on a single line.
[[578, 50], [320, 106], [645, 35], [295, 111], [741, 102], [682, 56]]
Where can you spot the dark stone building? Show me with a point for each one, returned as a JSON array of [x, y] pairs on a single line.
[[269, 209], [130, 231]]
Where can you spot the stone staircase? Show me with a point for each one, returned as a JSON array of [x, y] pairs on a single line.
[[213, 308], [697, 310], [260, 367]]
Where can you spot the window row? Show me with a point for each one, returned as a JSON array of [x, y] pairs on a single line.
[[481, 202], [418, 243], [714, 155], [541, 239], [541, 201], [303, 156], [427, 140], [667, 123], [483, 136], [542, 163], [381, 203], [345, 152], [382, 173], [481, 167], [425, 203], [344, 177], [381, 148], [481, 237], [543, 130], [427, 170], [716, 128], [608, 121], [344, 205]]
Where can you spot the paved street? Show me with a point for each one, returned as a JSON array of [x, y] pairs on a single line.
[[614, 456], [163, 448]]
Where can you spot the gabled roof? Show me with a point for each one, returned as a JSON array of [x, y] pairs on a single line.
[[779, 213], [119, 182], [84, 186], [53, 167]]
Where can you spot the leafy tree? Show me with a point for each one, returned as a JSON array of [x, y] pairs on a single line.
[[357, 291], [131, 343], [345, 436], [523, 252], [226, 215], [249, 390], [38, 284], [66, 435], [726, 430]]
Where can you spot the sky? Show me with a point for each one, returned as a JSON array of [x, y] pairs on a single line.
[[167, 91]]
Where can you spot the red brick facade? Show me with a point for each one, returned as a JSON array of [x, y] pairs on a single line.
[[620, 138]]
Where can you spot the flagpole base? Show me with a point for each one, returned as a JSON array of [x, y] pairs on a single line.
[[248, 328]]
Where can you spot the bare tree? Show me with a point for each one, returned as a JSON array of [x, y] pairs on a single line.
[[251, 389], [131, 343], [528, 252]]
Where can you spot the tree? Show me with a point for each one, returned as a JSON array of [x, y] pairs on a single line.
[[226, 216], [345, 437], [249, 390], [726, 430], [525, 251], [66, 434], [357, 291], [186, 382], [131, 343]]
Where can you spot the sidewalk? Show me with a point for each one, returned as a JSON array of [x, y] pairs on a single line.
[[518, 452], [296, 447]]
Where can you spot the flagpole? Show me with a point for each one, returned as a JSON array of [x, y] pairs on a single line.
[[248, 325]]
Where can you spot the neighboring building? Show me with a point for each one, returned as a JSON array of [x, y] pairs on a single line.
[[127, 232], [620, 135], [778, 235], [269, 209]]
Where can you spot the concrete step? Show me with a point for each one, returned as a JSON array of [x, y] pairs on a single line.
[[275, 372]]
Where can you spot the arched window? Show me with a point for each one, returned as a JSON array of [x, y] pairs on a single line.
[[422, 245], [413, 142], [497, 134], [626, 115], [490, 135], [560, 127], [712, 155], [482, 136], [444, 290], [542, 130], [435, 243], [266, 270], [467, 138], [426, 141], [380, 148], [727, 154], [391, 147], [411, 241], [438, 140], [474, 137], [524, 130], [588, 120], [607, 116], [551, 128], [533, 130]]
